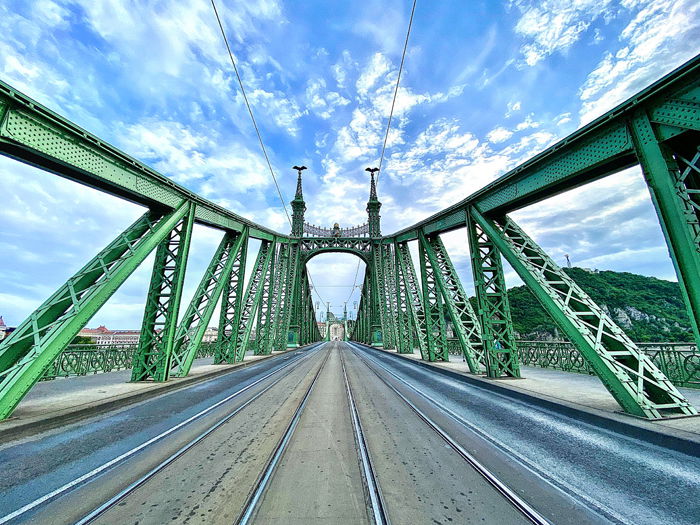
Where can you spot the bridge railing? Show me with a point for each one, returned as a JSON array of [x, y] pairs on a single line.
[[81, 360], [680, 362]]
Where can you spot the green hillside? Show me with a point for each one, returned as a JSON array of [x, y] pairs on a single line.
[[648, 309]]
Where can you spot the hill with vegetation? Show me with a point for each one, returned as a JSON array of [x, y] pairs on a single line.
[[648, 309]]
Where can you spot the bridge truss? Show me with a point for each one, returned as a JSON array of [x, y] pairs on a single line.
[[658, 129]]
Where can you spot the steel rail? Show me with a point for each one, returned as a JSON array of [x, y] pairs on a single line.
[[377, 503], [255, 496], [86, 478], [564, 487], [516, 501]]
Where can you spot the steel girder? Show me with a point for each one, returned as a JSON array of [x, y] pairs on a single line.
[[194, 324], [251, 300], [380, 315], [35, 135], [673, 178], [152, 359], [34, 345], [266, 308], [628, 374], [278, 296], [500, 352], [404, 324], [415, 301], [287, 306], [231, 301], [435, 326], [392, 291], [464, 320], [385, 279]]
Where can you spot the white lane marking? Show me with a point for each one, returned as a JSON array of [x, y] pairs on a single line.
[[112, 462]]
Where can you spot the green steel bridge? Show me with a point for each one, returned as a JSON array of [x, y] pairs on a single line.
[[658, 129]]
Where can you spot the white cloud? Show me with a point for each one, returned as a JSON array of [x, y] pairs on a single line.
[[321, 101], [661, 36], [499, 134], [554, 25]]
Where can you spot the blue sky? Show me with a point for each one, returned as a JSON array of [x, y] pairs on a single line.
[[486, 85]]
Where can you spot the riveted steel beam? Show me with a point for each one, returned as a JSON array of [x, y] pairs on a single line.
[[464, 320], [154, 351], [673, 177], [194, 324], [231, 305], [596, 150], [435, 327], [31, 133], [251, 302], [500, 352], [35, 344], [629, 375]]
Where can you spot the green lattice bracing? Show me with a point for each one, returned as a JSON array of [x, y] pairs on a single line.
[[37, 341], [625, 370], [252, 299], [231, 300], [415, 300], [498, 340], [435, 327], [673, 176], [153, 354], [464, 321], [191, 329]]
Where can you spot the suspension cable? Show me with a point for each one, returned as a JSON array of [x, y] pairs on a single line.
[[396, 89], [354, 281], [250, 111]]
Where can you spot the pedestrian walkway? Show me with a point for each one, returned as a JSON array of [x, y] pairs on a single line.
[[61, 398], [578, 390]]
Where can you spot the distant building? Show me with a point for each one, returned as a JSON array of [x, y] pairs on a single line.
[[3, 328], [337, 332], [210, 335], [118, 337]]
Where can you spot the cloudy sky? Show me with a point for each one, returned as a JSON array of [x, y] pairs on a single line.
[[486, 85]]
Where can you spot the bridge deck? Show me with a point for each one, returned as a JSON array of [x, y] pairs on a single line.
[[208, 446]]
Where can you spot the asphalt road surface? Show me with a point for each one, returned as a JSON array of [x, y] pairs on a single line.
[[340, 433]]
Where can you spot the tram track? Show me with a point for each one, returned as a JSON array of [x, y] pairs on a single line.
[[122, 458], [256, 495], [508, 494], [376, 499]]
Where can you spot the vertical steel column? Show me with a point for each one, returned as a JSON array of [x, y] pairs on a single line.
[[673, 179], [252, 299], [500, 352], [283, 337], [380, 336], [415, 301], [152, 357], [403, 309], [391, 291], [194, 324], [231, 305], [278, 295], [436, 329], [264, 322], [28, 351], [463, 318], [627, 372]]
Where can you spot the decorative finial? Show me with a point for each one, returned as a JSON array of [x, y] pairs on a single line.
[[372, 185], [299, 193]]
